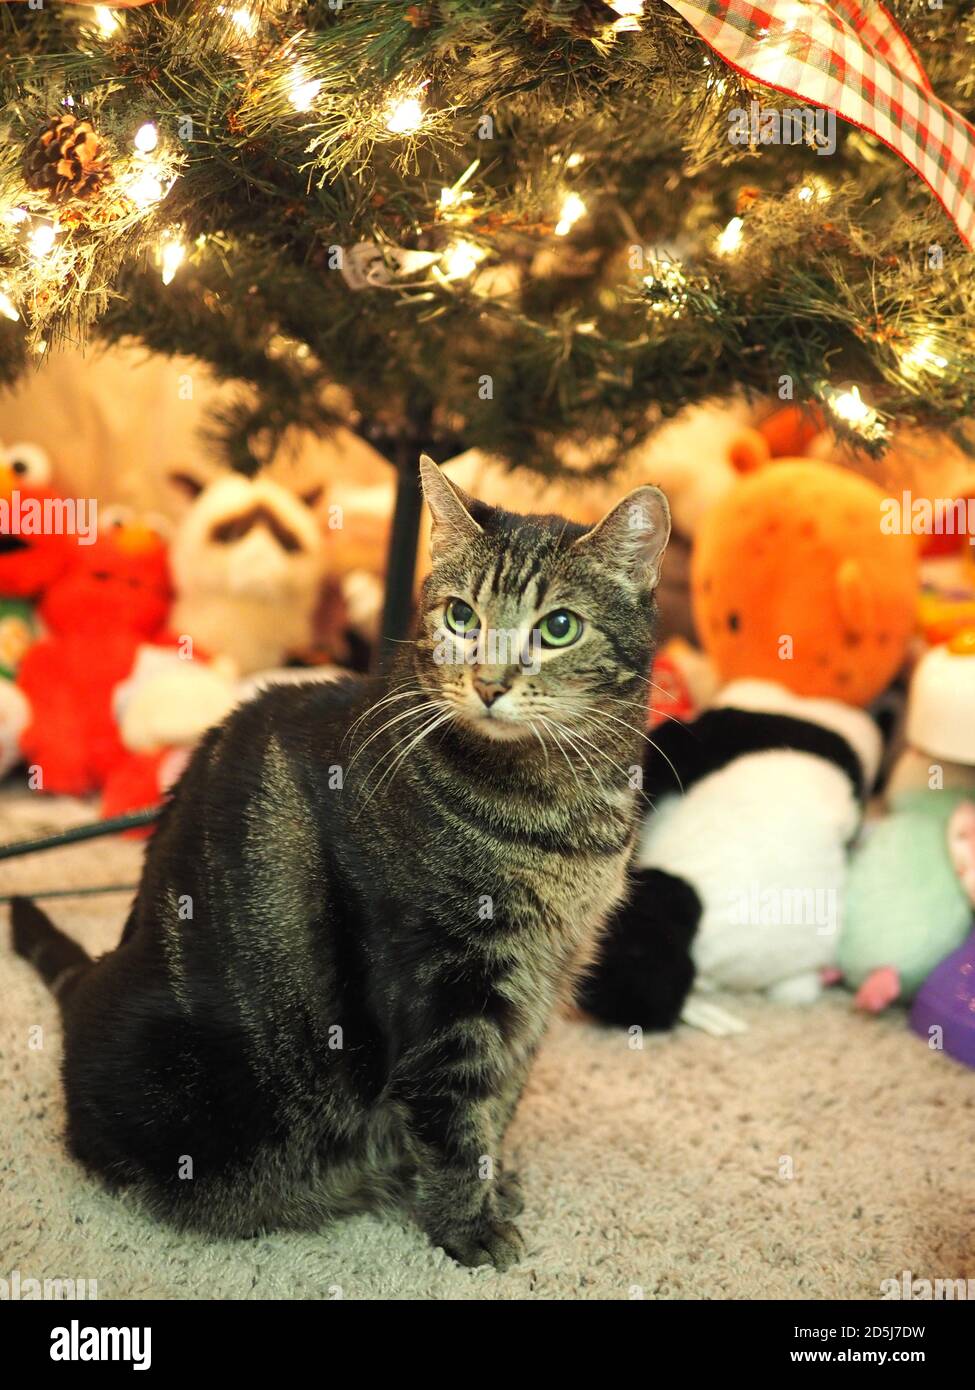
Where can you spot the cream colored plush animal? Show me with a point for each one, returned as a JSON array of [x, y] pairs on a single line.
[[247, 563]]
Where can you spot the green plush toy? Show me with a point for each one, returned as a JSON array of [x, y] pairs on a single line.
[[906, 909], [905, 906]]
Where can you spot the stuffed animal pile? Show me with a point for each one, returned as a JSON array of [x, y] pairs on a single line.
[[806, 609], [109, 672], [754, 871]]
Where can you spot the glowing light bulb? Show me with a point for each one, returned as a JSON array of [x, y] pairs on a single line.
[[452, 198], [245, 20], [850, 406], [456, 194], [572, 209], [923, 357], [461, 259], [574, 160], [242, 17], [805, 193], [302, 90], [7, 308], [146, 138], [106, 21], [405, 114], [731, 238], [630, 13], [41, 239], [146, 188], [172, 254]]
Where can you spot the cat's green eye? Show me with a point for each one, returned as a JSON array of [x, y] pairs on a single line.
[[461, 618], [560, 628]]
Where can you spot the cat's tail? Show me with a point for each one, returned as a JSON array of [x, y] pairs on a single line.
[[57, 959]]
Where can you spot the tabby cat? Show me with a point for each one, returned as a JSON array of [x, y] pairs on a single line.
[[364, 899]]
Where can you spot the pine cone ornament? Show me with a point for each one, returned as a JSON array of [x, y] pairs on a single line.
[[592, 17], [66, 160]]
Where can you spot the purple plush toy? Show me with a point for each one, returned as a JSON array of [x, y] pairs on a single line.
[[946, 1000]]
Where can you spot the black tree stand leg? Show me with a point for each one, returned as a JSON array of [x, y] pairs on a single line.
[[401, 558]]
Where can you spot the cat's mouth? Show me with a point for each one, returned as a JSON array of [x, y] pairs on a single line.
[[505, 730], [494, 723]]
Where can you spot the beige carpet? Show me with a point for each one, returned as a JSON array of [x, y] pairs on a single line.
[[653, 1173]]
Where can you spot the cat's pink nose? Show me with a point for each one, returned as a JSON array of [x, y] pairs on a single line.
[[489, 691]]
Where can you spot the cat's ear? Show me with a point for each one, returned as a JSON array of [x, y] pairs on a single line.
[[452, 522], [632, 536]]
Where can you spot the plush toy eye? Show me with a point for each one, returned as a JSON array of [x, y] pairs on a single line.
[[29, 461], [115, 517], [560, 628], [460, 617]]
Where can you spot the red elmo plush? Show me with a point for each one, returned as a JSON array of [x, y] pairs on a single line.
[[28, 562], [114, 596]]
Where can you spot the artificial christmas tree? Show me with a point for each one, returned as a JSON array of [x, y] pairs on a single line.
[[532, 226]]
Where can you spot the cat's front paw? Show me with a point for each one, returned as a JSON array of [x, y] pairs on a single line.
[[490, 1242]]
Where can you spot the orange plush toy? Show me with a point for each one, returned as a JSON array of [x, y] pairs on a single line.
[[794, 580]]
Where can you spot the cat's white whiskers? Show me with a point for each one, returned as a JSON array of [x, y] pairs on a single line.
[[653, 686], [422, 713], [558, 743], [573, 744], [542, 742], [601, 714], [396, 719], [428, 728], [594, 748], [628, 704], [657, 749], [378, 704]]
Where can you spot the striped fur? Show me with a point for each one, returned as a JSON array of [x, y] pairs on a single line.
[[343, 954]]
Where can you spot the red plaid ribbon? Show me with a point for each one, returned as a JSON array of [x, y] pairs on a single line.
[[851, 58]]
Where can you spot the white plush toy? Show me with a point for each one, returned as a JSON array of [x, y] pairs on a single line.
[[169, 702], [247, 563], [741, 865], [763, 840]]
